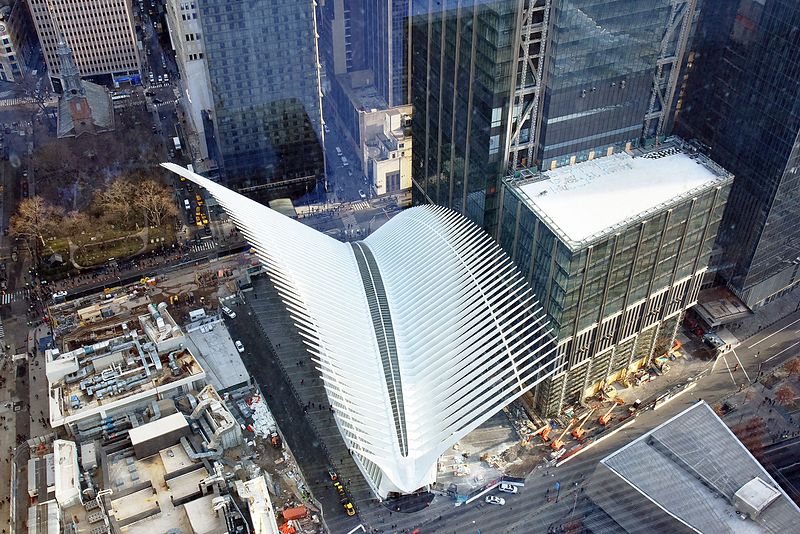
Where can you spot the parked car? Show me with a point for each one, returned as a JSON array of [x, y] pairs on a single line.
[[229, 312], [239, 346], [492, 499], [508, 488]]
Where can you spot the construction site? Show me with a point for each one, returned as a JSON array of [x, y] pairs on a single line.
[[156, 425]]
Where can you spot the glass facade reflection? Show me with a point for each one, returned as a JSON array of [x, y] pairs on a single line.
[[743, 101], [614, 301], [602, 58], [262, 64], [461, 81], [473, 108]]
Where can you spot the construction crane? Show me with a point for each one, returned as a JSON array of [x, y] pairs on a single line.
[[558, 443], [606, 417], [579, 431]]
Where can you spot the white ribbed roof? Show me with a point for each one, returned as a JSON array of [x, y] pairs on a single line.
[[421, 332]]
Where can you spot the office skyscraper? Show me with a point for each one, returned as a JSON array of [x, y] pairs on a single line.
[[263, 67], [341, 36], [508, 84], [615, 280], [100, 32], [743, 101], [386, 37]]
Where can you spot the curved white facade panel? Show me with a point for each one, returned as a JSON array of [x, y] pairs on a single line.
[[421, 332]]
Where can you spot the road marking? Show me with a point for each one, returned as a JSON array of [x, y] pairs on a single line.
[[772, 334], [781, 352], [8, 298], [741, 366], [729, 368]]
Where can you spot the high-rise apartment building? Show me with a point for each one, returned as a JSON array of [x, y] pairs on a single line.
[[506, 84], [263, 69], [743, 101], [100, 33], [616, 279]]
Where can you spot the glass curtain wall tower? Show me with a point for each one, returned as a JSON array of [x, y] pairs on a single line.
[[502, 85], [263, 66], [743, 101]]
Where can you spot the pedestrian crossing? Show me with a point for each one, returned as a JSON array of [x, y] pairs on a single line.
[[2, 330], [8, 298], [362, 205], [9, 102], [208, 244]]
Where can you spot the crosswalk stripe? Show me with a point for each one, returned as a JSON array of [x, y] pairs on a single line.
[[204, 245], [363, 205], [8, 298]]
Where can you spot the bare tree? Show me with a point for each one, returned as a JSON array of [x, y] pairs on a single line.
[[751, 434], [793, 367], [785, 396], [34, 220], [118, 198], [80, 228], [155, 201]]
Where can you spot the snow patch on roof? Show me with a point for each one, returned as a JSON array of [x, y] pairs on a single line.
[[585, 199]]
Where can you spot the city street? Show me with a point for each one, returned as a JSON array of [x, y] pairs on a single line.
[[529, 510]]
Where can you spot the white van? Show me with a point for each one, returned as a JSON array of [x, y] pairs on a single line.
[[186, 204]]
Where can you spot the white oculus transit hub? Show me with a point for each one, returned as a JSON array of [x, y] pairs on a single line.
[[420, 332]]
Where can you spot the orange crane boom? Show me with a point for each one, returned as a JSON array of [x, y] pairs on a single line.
[[606, 417], [558, 443], [544, 432], [579, 431]]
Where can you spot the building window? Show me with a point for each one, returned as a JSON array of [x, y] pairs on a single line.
[[497, 117], [494, 144]]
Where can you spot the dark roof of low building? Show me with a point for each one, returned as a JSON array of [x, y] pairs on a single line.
[[102, 111]]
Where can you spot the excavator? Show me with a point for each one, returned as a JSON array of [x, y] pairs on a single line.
[[558, 443], [578, 432]]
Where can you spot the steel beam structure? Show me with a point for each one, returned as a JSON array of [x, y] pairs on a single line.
[[670, 62], [533, 19]]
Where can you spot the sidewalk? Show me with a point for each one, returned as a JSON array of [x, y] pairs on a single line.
[[764, 317]]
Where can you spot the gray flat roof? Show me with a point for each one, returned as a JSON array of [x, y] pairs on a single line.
[[691, 466], [218, 355]]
